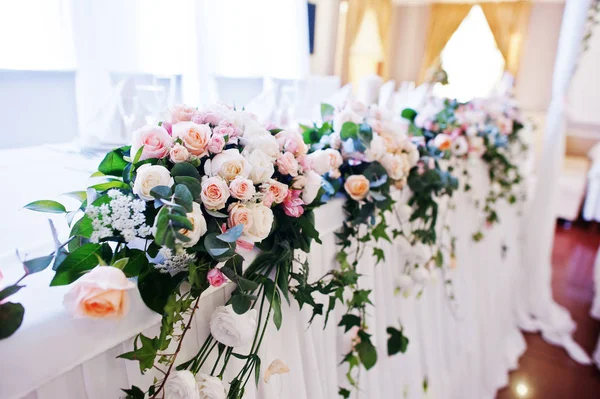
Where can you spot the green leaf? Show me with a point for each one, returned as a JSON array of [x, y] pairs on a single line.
[[276, 304], [366, 351], [344, 393], [156, 287], [409, 114], [185, 169], [47, 206], [216, 247], [349, 131], [83, 227], [37, 264], [144, 354], [365, 134], [117, 184], [245, 284], [397, 342], [379, 254], [191, 183], [10, 290], [183, 194], [121, 263], [161, 192], [439, 259], [78, 195], [11, 317], [216, 214], [348, 321], [235, 263], [76, 264], [138, 155], [380, 232], [113, 163], [232, 234], [134, 393], [241, 302], [327, 111]]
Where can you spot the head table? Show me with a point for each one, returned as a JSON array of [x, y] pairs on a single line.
[[461, 348]]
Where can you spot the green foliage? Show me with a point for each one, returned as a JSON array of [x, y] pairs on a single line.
[[397, 342], [47, 206], [114, 162], [77, 263], [11, 317]]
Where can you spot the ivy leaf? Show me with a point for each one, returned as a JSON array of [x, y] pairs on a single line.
[[344, 393], [11, 317], [379, 254], [144, 354], [134, 393], [380, 232], [366, 351], [397, 342], [348, 321], [47, 206]]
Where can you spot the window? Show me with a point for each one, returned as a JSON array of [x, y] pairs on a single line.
[[471, 59]]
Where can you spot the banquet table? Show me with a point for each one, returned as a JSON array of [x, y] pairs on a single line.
[[461, 348]]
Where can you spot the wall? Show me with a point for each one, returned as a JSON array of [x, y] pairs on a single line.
[[322, 61], [534, 82], [584, 95]]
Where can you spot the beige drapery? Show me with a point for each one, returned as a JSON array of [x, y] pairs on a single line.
[[509, 22], [444, 19], [354, 18]]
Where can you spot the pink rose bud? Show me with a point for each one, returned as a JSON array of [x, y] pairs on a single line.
[[216, 143], [215, 277]]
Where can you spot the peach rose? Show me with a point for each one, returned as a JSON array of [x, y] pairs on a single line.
[[101, 293], [155, 140], [287, 164], [357, 187], [182, 113], [242, 188], [215, 193], [278, 190], [195, 137], [239, 214], [179, 154], [443, 142]]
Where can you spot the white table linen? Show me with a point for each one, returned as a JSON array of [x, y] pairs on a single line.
[[463, 350]]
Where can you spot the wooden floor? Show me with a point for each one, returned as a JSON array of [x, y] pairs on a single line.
[[545, 371]]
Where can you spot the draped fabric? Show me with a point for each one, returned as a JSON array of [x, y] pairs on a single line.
[[537, 310], [444, 19], [354, 18], [508, 22]]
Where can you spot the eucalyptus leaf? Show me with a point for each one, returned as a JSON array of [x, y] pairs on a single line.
[[232, 234]]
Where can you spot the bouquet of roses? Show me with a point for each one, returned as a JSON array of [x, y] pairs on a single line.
[[180, 205]]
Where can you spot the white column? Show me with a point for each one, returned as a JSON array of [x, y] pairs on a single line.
[[538, 311]]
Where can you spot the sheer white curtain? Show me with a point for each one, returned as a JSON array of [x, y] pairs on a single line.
[[538, 311]]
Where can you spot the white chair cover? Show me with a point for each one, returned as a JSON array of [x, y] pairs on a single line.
[[368, 89], [386, 95]]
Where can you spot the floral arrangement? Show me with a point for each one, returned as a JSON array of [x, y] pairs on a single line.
[[177, 210]]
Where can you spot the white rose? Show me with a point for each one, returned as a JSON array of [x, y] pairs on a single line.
[[262, 168], [394, 166], [420, 253], [232, 329], [460, 146], [312, 186], [421, 275], [413, 155], [319, 161], [150, 176], [253, 130], [199, 229], [262, 222], [210, 387], [377, 149], [335, 158], [267, 143], [229, 164], [181, 385]]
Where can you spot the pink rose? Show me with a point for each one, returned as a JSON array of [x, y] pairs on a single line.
[[278, 190], [291, 141], [240, 214], [242, 188], [167, 126], [215, 193], [268, 199], [101, 293], [216, 143], [195, 137], [230, 126], [287, 164], [182, 113], [293, 206], [224, 131], [215, 277], [155, 140], [179, 154]]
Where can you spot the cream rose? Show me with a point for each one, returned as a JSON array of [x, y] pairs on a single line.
[[242, 188], [312, 186], [199, 223], [232, 329], [262, 222], [262, 168], [215, 193], [239, 214], [319, 160], [195, 137], [346, 115], [377, 149], [394, 166], [179, 154], [155, 140], [210, 387], [101, 293], [150, 176], [181, 385], [266, 143], [229, 164], [357, 187]]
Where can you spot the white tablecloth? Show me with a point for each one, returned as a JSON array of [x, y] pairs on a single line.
[[463, 351]]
